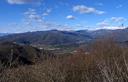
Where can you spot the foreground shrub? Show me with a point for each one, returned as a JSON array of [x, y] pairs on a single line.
[[105, 62]]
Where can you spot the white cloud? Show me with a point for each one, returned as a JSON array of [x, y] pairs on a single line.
[[99, 4], [119, 6], [24, 1], [32, 15], [99, 12], [103, 24], [112, 23], [118, 19], [82, 9], [34, 21], [108, 27], [113, 27], [70, 17], [47, 12]]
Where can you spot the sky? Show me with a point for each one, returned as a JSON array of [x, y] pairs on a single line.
[[37, 15]]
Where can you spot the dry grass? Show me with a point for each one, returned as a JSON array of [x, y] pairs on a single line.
[[106, 62]]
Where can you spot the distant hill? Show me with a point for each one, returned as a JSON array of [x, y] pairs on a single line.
[[52, 37], [119, 35], [55, 37], [3, 34]]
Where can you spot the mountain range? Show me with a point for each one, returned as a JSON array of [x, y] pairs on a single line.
[[56, 37], [3, 34]]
